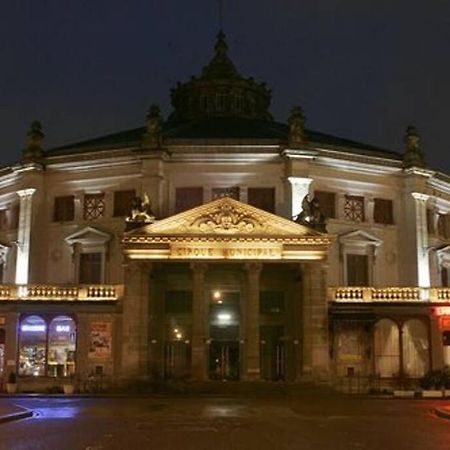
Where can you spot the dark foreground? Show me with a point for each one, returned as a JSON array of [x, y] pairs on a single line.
[[304, 422]]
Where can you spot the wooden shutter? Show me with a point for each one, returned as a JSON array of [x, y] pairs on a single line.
[[90, 269], [64, 208]]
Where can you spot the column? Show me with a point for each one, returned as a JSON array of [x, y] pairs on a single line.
[[23, 235], [299, 187], [198, 342], [135, 321], [423, 266], [251, 323], [315, 322]]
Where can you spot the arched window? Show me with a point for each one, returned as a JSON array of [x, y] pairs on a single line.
[[387, 348], [47, 346], [415, 348], [32, 346], [61, 347]]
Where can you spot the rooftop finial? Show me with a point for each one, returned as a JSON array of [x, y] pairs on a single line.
[[35, 136], [413, 155], [152, 137], [296, 122]]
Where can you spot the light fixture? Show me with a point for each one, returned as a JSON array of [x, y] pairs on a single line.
[[217, 295], [224, 317]]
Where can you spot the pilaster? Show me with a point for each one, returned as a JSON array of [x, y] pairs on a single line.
[[423, 266], [300, 187], [23, 235]]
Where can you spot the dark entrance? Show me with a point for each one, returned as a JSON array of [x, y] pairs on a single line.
[[272, 353], [224, 360], [177, 359]]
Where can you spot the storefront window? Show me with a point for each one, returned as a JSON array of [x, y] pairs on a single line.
[[47, 346], [32, 346], [61, 347]]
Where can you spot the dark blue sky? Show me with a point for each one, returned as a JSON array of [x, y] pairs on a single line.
[[360, 69]]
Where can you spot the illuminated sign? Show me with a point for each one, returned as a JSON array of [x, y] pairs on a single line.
[[442, 311], [225, 252], [62, 328], [32, 328]]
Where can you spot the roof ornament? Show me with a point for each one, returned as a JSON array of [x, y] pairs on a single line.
[[296, 121], [311, 215], [153, 137], [141, 213], [413, 156], [35, 137]]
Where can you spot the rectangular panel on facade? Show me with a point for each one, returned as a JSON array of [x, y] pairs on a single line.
[[123, 202], [187, 198], [327, 203], [64, 208], [383, 211], [262, 198]]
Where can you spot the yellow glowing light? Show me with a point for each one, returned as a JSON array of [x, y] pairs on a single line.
[[217, 294], [175, 330], [178, 335]]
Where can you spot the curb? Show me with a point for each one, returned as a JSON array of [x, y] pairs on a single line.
[[442, 413], [16, 416]]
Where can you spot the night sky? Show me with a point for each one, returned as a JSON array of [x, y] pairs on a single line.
[[361, 69]]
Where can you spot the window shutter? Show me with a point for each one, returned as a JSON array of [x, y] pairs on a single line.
[[383, 211], [122, 202], [262, 198], [357, 270], [187, 198], [327, 203], [64, 208], [90, 269]]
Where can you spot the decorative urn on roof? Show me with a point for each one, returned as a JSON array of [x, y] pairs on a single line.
[[35, 137], [413, 156]]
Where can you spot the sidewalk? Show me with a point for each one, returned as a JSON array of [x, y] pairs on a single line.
[[9, 411]]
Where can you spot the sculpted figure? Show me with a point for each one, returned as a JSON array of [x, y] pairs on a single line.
[[311, 215], [141, 211]]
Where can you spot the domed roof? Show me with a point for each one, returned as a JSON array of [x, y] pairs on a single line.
[[220, 91]]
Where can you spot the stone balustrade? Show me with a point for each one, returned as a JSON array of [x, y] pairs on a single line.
[[394, 294], [51, 293]]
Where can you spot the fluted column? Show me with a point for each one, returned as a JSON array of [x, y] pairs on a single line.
[[199, 310], [251, 323], [23, 235]]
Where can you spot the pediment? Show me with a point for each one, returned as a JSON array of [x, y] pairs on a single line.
[[88, 236], [226, 217], [359, 238]]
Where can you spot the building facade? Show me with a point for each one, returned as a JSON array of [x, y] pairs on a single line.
[[221, 244]]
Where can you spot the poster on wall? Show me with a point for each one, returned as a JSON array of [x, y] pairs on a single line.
[[100, 340], [349, 345]]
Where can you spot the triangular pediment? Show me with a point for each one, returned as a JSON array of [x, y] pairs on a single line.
[[227, 217], [359, 237], [88, 235]]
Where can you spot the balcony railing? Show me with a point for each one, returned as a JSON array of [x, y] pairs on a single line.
[[45, 292], [350, 294]]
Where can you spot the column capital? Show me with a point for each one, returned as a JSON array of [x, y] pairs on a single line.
[[419, 196], [300, 181], [26, 192]]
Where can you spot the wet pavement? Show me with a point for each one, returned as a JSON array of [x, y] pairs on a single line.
[[303, 422]]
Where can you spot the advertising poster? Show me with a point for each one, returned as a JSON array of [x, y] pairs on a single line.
[[100, 340]]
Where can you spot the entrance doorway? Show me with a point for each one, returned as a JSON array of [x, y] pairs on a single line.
[[224, 360], [272, 353], [177, 360]]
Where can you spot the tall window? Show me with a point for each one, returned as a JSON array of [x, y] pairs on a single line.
[[47, 347], [357, 270], [262, 198], [327, 203], [94, 206], [187, 198], [64, 209], [383, 211], [122, 202], [32, 346], [90, 269], [354, 208]]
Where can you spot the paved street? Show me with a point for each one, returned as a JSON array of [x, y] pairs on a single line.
[[223, 423]]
